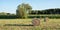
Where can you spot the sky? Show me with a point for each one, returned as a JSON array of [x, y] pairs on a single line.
[[10, 6]]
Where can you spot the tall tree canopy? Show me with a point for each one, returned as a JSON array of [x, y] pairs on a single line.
[[22, 10]]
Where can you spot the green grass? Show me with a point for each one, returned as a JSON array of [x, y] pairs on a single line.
[[52, 24], [45, 15], [51, 16]]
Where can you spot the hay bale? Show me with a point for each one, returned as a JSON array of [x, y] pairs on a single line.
[[46, 19], [36, 22]]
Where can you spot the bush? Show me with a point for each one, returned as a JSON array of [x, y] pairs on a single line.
[[7, 17], [51, 17]]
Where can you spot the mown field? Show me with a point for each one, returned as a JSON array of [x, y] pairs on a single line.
[[52, 24]]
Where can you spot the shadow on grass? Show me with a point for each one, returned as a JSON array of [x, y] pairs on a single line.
[[18, 25]]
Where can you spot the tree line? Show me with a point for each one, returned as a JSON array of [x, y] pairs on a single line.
[[46, 11]]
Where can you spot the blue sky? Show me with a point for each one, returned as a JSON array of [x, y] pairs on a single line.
[[10, 6]]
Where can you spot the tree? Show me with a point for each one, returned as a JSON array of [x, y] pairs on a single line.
[[22, 10]]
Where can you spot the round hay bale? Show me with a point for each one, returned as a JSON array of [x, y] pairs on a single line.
[[36, 22], [46, 19]]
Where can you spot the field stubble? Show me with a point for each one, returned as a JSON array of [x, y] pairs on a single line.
[[52, 24]]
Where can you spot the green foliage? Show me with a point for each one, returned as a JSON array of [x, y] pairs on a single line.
[[46, 11], [51, 17], [8, 17], [23, 9], [15, 16]]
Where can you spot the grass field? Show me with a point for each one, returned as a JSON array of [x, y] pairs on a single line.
[[46, 15], [52, 24]]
